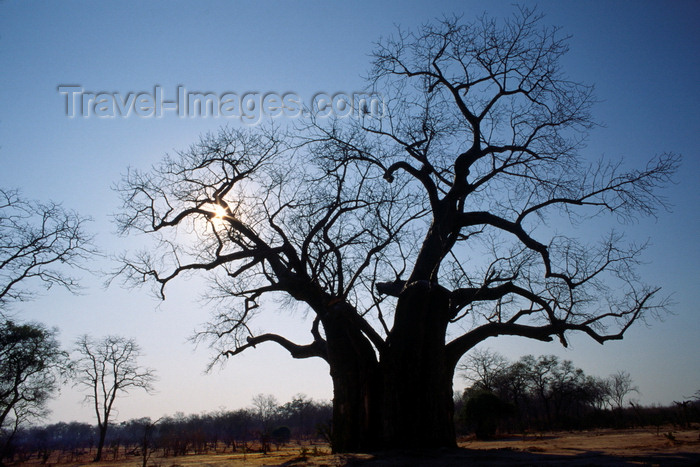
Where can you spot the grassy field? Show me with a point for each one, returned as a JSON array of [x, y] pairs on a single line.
[[600, 447]]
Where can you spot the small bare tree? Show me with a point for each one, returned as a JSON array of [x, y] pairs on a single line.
[[620, 386], [105, 368], [266, 408], [483, 367]]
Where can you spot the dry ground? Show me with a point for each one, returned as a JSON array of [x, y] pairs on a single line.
[[601, 447]]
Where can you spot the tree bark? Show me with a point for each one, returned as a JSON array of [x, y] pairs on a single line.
[[356, 386], [102, 431], [405, 401], [356, 408], [418, 397], [418, 410]]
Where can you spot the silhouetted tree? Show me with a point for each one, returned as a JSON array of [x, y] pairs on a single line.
[[548, 393], [37, 242], [598, 392], [146, 441], [390, 231], [484, 368], [305, 415], [281, 435], [106, 368], [620, 386], [484, 409], [266, 408], [32, 365], [236, 427]]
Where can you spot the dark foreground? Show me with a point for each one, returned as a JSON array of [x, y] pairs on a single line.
[[651, 446], [599, 448], [504, 457]]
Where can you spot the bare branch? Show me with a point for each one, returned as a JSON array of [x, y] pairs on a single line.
[[315, 349], [38, 243]]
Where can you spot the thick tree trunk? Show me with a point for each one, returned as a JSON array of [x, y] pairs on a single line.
[[356, 385], [405, 401], [418, 413], [418, 397], [394, 409], [356, 408]]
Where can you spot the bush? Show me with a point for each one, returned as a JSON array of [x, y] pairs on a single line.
[[281, 435], [483, 410]]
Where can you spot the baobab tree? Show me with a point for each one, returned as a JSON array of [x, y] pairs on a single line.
[[106, 368], [411, 237]]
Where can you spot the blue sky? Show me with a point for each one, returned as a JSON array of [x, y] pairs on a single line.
[[643, 57]]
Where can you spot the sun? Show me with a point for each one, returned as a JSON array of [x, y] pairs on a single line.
[[219, 211], [217, 216]]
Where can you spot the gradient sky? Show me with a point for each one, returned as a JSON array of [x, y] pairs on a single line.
[[643, 57]]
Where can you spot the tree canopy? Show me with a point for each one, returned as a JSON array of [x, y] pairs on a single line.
[[411, 237], [32, 366]]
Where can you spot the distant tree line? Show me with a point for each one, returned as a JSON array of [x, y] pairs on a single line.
[[546, 393], [262, 427]]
